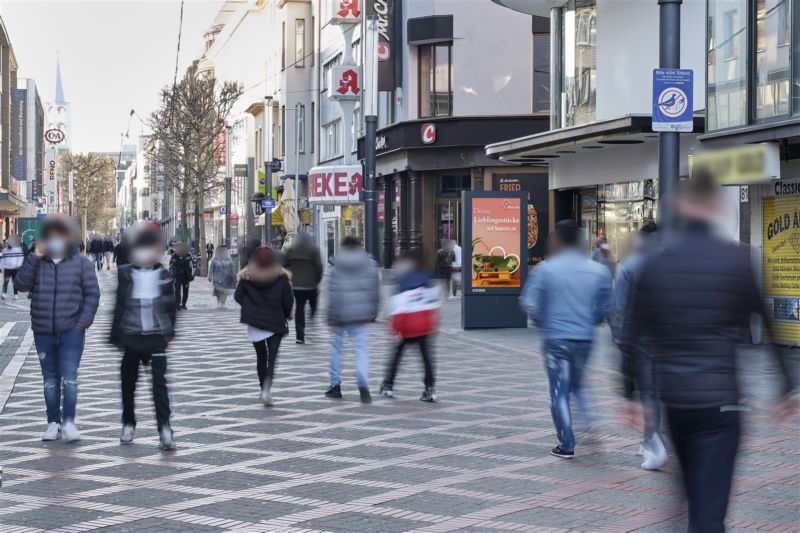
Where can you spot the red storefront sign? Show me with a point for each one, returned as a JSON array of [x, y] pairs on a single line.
[[335, 184]]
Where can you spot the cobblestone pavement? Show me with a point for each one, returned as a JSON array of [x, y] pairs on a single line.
[[476, 461]]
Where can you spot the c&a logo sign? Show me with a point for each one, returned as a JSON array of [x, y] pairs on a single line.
[[428, 133]]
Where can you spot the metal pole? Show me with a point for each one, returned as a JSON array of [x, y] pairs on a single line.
[[228, 185], [668, 142], [268, 168], [71, 193], [297, 166], [370, 104]]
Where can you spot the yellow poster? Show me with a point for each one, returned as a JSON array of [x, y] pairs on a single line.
[[782, 266]]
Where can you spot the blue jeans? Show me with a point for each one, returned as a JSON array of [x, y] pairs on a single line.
[[564, 361], [357, 334], [59, 356]]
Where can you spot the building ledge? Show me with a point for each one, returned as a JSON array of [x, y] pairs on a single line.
[[771, 131]]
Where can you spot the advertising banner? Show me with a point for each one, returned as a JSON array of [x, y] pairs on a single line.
[[389, 51], [535, 186], [18, 137], [782, 266]]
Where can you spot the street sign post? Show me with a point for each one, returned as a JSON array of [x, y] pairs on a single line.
[[268, 204], [672, 100]]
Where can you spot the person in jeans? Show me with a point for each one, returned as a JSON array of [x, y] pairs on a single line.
[[304, 262], [65, 296], [12, 259], [566, 297], [265, 296], [353, 298], [690, 308], [96, 251], [181, 266], [414, 312], [108, 251], [143, 326]]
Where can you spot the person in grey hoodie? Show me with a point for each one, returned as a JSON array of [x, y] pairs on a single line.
[[65, 296], [353, 298]]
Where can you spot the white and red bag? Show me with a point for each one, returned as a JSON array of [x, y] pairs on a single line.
[[415, 312]]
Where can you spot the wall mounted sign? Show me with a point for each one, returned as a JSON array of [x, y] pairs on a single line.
[[673, 109], [340, 184], [428, 133], [345, 83], [345, 12], [54, 136]]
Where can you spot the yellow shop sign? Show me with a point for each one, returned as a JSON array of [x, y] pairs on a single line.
[[749, 164]]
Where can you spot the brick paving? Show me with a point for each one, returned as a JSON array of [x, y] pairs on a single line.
[[477, 461]]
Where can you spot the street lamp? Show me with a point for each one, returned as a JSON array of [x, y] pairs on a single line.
[[228, 184], [267, 168], [370, 103]]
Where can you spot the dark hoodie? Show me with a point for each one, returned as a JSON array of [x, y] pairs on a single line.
[[265, 296], [305, 264]]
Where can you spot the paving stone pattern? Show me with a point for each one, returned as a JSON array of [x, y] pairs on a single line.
[[476, 461]]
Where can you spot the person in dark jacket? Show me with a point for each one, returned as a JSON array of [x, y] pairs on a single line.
[[690, 308], [265, 296], [96, 250], [65, 296], [209, 251], [304, 262], [108, 251], [121, 252], [414, 312], [181, 265], [143, 326], [353, 299]]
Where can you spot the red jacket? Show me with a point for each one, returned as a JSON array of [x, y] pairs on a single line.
[[415, 312]]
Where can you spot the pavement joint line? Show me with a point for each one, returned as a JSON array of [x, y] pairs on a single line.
[[11, 371]]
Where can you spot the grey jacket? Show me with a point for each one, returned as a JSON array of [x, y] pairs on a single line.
[[64, 295], [353, 289]]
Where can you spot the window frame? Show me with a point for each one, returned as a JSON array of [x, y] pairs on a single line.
[[534, 92], [426, 79], [299, 39]]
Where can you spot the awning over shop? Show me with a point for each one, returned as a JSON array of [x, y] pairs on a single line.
[[11, 202], [276, 218]]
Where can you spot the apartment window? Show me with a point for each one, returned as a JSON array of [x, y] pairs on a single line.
[[299, 43], [541, 73], [772, 73], [301, 128], [357, 51], [435, 80], [283, 45], [326, 72], [311, 131], [357, 129], [313, 31], [331, 140], [579, 63], [146, 191], [727, 63]]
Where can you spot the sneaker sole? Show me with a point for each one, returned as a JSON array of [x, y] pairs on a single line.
[[52, 440], [562, 456]]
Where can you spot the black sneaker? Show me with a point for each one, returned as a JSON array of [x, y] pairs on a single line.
[[429, 395], [334, 392], [558, 452], [365, 396], [386, 390], [300, 341]]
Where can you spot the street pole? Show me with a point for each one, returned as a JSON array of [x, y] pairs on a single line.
[[228, 185], [268, 168], [668, 142], [370, 107], [71, 194], [297, 166]]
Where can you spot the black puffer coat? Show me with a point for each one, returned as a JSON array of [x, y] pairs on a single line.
[[266, 299]]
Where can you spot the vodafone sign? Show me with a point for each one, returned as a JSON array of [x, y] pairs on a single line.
[[428, 133], [335, 184]]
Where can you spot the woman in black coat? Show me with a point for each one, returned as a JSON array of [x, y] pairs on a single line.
[[265, 296]]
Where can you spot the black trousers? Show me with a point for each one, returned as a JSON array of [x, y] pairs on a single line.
[[427, 360], [301, 296], [181, 297], [9, 273], [706, 442], [129, 374], [266, 357]]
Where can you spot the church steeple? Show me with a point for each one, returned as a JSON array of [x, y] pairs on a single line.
[[59, 87]]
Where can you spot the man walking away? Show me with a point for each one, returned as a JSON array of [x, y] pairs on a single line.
[[108, 251], [222, 275], [121, 252], [651, 447], [11, 261], [353, 298], [567, 296], [143, 326], [690, 308], [414, 312], [63, 305], [181, 266], [444, 265], [96, 251], [304, 262]]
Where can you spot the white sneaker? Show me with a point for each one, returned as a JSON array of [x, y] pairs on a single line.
[[165, 440], [71, 433], [16, 297], [266, 397], [53, 432], [3, 296], [126, 437], [654, 453]]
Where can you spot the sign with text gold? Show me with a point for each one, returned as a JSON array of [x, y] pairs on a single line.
[[782, 266]]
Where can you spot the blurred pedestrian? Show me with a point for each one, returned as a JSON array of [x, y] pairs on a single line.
[[96, 251], [11, 261], [120, 255], [691, 306], [209, 251], [181, 266], [566, 296], [64, 303], [247, 250], [265, 296], [444, 265], [304, 262], [455, 281], [414, 311], [651, 447], [353, 298], [602, 254], [143, 326], [108, 251], [222, 275]]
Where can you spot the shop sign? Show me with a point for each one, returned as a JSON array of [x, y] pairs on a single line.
[[345, 11], [781, 246], [672, 100], [54, 136], [335, 184], [388, 55], [345, 83], [788, 187], [381, 207], [428, 133], [18, 137], [742, 165], [535, 186]]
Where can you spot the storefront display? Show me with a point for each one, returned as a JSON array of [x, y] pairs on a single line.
[[535, 186]]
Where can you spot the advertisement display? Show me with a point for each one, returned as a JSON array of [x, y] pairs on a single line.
[[496, 226], [388, 53], [18, 137], [781, 226], [535, 186]]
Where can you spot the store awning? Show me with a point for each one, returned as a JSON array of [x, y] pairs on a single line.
[[11, 202], [540, 148], [277, 218]]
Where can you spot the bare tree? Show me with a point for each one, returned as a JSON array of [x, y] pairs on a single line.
[[188, 126], [93, 186]]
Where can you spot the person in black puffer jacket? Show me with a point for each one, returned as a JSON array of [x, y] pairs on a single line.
[[265, 296], [181, 266], [64, 301], [690, 308], [304, 262]]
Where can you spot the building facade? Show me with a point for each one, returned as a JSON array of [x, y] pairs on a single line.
[[12, 188]]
